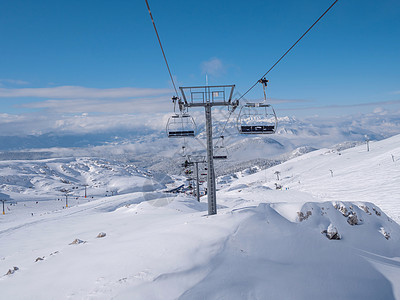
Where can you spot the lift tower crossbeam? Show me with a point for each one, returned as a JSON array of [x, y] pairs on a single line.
[[207, 97]]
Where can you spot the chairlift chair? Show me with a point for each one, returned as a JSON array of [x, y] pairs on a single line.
[[187, 164], [181, 126], [220, 150], [257, 117], [183, 151]]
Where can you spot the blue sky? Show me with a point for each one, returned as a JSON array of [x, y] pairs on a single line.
[[57, 56]]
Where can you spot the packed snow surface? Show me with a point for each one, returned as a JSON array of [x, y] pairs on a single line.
[[330, 231]]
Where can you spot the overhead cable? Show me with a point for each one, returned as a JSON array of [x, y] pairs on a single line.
[[162, 49], [289, 49]]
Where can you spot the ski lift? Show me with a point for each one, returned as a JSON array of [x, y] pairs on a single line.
[[220, 150], [181, 126], [187, 163], [257, 118], [183, 151]]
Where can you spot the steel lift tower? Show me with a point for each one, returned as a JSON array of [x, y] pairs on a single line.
[[208, 97]]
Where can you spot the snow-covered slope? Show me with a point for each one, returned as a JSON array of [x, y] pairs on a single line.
[[163, 249], [50, 178], [317, 237], [351, 175]]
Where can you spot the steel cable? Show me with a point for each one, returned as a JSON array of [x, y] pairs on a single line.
[[289, 48], [162, 49]]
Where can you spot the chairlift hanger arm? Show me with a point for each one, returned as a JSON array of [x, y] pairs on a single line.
[[262, 77]]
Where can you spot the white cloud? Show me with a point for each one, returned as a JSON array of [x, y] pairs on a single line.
[[213, 66], [76, 109], [36, 124], [380, 111], [3, 82], [79, 106], [78, 92], [339, 106]]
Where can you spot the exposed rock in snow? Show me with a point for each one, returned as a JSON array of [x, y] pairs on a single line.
[[12, 271], [365, 208], [302, 216], [340, 207], [332, 233], [377, 212], [384, 233], [352, 219], [77, 241]]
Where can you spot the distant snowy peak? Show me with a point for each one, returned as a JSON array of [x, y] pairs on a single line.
[[287, 119]]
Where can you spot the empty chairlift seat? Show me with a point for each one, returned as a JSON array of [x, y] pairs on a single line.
[[257, 118], [181, 125], [220, 151]]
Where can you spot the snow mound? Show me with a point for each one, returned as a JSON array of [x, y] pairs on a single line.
[[265, 253]]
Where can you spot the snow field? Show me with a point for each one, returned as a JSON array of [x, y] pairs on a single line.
[[177, 251], [358, 175], [264, 243]]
